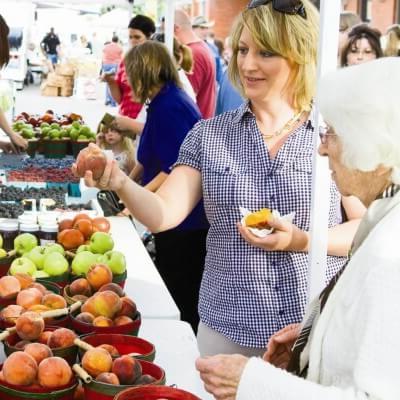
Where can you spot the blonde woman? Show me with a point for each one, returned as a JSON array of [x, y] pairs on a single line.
[[259, 155], [392, 47]]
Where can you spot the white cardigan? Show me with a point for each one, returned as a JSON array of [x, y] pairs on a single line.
[[355, 345]]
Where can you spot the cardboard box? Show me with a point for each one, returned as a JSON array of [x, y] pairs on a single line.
[[53, 79], [48, 90], [66, 92], [65, 69]]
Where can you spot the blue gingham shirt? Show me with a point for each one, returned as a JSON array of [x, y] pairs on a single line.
[[248, 293]]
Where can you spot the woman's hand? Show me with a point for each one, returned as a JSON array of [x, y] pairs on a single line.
[[279, 348], [108, 78], [123, 123], [221, 374], [285, 237]]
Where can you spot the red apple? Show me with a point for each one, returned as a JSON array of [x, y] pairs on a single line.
[[92, 159]]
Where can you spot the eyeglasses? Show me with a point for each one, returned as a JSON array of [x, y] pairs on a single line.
[[324, 134], [292, 7]]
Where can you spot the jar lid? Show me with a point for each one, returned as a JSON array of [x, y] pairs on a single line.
[[9, 225], [49, 228], [29, 227], [27, 219]]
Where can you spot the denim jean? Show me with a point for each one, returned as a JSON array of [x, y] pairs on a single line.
[[109, 68], [53, 58]]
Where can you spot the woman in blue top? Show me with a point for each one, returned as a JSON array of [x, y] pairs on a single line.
[[259, 155], [171, 113]]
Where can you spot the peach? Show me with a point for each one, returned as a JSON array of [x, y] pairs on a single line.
[[65, 224], [110, 348], [145, 380], [38, 351], [70, 238], [54, 301], [108, 377], [97, 360], [100, 224], [10, 313], [114, 288], [85, 317], [20, 368], [38, 308], [80, 297], [29, 297], [103, 321], [61, 337], [21, 344], [44, 337], [128, 307], [122, 320], [38, 286], [80, 286], [24, 279], [99, 275], [85, 226], [29, 325], [127, 369], [92, 159], [80, 216], [54, 372], [105, 303], [9, 287]]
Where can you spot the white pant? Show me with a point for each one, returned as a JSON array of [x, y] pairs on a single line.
[[211, 342]]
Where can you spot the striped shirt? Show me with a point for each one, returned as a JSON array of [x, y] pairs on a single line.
[[248, 293]]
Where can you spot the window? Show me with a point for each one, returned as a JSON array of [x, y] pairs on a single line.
[[366, 10]]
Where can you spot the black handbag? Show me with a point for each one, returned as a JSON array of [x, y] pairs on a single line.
[[109, 202]]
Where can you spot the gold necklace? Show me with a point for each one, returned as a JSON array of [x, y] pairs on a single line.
[[285, 128]]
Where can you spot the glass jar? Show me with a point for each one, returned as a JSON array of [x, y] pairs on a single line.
[[30, 228], [9, 231], [48, 234]]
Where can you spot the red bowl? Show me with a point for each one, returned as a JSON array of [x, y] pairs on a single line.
[[82, 328], [154, 393], [5, 264], [125, 344], [103, 391]]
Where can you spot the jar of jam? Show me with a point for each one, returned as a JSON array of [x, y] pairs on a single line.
[[48, 234], [9, 231], [30, 228]]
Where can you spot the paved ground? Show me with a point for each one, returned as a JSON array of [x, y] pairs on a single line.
[[30, 101]]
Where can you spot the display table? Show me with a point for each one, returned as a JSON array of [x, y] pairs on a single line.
[[144, 284], [176, 352]]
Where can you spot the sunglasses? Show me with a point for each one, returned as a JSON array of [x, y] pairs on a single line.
[[291, 7]]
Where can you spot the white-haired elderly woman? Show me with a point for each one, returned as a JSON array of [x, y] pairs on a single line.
[[347, 347]]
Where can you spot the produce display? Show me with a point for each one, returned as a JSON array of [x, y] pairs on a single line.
[[32, 174]]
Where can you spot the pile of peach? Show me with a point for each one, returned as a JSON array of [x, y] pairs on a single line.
[[29, 296], [75, 232], [107, 307], [123, 370]]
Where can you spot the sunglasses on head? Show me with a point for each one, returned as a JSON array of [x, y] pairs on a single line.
[[292, 7]]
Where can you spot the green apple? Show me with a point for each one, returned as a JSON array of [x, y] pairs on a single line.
[[76, 125], [1, 241], [83, 247], [22, 264], [116, 261], [54, 248], [44, 125], [25, 242], [55, 264], [3, 253], [82, 262], [54, 125], [40, 274], [101, 242], [37, 255]]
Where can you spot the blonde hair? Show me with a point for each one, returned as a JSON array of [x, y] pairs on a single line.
[[149, 66], [184, 54], [392, 47], [290, 36]]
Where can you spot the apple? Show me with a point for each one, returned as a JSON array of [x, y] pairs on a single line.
[[116, 261], [1, 241], [91, 158], [3, 253], [54, 248], [55, 264], [82, 262], [101, 242], [22, 264], [37, 256], [83, 247], [38, 274], [25, 242]]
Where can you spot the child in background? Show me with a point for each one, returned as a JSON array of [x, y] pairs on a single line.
[[110, 138]]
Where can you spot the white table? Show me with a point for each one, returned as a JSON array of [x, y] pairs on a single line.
[[144, 284], [176, 352]]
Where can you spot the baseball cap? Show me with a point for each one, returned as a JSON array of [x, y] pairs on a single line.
[[202, 22]]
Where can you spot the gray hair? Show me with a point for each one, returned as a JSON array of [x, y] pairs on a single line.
[[361, 103]]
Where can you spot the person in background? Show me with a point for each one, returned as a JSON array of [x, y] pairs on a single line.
[[16, 142], [392, 46], [363, 44], [347, 347], [140, 29], [203, 78], [121, 146], [346, 21], [259, 155], [50, 46], [201, 27], [112, 56], [86, 44]]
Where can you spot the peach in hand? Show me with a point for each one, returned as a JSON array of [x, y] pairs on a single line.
[[91, 159]]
